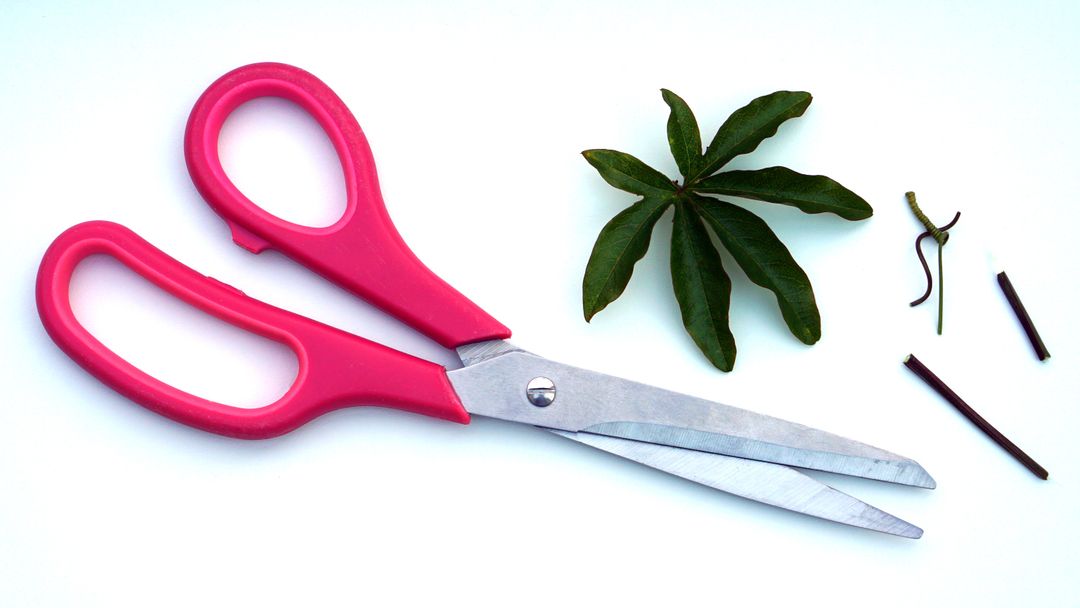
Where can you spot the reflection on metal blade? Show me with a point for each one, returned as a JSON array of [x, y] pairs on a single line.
[[839, 456], [763, 482], [496, 376]]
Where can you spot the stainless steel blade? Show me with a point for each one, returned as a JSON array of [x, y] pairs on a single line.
[[763, 482], [496, 376]]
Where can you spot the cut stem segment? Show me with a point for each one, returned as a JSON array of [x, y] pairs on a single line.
[[927, 376], [1022, 316]]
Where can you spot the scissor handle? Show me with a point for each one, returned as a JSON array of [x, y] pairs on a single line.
[[336, 369], [362, 251]]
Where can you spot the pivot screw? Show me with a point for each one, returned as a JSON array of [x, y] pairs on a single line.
[[540, 391]]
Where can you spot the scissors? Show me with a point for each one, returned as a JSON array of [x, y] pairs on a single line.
[[723, 447]]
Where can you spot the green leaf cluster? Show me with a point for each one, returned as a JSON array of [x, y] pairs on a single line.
[[702, 286]]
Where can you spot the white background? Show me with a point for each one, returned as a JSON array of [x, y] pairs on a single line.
[[476, 113]]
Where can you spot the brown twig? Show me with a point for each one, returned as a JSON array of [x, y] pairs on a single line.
[[1022, 316], [942, 389]]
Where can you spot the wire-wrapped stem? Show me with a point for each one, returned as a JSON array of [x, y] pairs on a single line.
[[940, 235]]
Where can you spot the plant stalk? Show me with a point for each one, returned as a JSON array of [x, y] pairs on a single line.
[[940, 287]]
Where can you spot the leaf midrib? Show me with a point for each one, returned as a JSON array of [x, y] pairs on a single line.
[[762, 268], [618, 259], [706, 173], [691, 215], [647, 185]]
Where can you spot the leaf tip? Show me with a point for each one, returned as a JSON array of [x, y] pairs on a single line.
[[724, 366], [802, 100], [862, 210], [723, 361], [590, 303], [809, 335], [671, 98]]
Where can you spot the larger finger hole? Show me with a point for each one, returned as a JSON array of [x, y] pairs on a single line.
[[175, 342]]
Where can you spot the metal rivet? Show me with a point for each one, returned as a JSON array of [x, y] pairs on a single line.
[[540, 391]]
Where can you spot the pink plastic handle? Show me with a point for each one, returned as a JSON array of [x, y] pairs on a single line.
[[362, 251], [336, 369]]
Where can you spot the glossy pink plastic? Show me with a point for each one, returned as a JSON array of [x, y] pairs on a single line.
[[336, 369], [362, 251]]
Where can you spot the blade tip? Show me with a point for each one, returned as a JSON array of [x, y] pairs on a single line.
[[915, 533], [913, 474], [926, 480]]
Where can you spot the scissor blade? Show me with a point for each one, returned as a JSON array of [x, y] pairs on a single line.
[[496, 375], [763, 482]]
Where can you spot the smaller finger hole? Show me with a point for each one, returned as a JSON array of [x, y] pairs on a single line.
[[281, 159]]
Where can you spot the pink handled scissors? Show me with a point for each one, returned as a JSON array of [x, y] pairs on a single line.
[[727, 448]]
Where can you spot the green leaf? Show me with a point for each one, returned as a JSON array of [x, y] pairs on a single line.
[[622, 242], [628, 173], [766, 261], [683, 134], [810, 193], [750, 125], [701, 285], [702, 288]]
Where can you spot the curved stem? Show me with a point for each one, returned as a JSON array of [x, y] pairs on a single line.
[[925, 267], [922, 259]]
